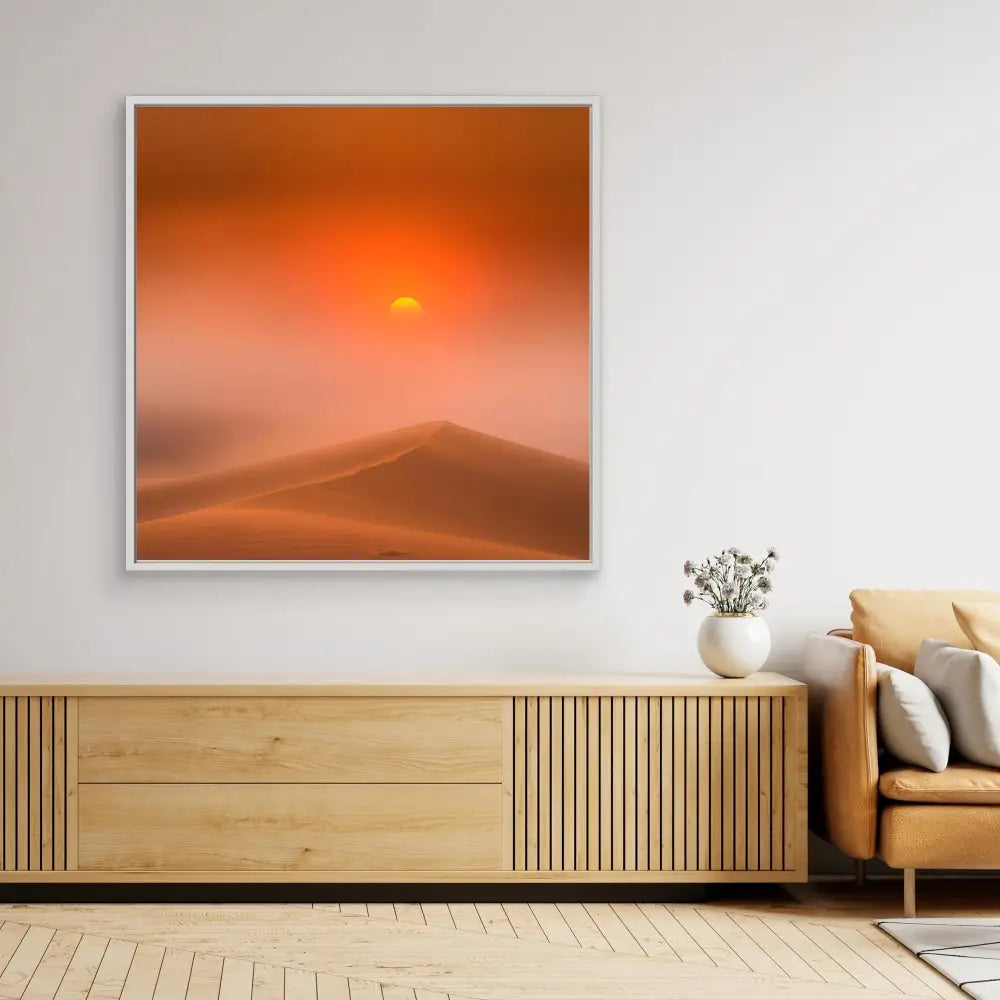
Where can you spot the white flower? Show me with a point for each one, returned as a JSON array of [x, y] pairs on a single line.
[[688, 596], [702, 580], [764, 584], [729, 591], [743, 570], [769, 564], [772, 553], [689, 568], [727, 559]]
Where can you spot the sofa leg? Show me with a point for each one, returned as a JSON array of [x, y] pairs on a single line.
[[859, 871], [909, 892]]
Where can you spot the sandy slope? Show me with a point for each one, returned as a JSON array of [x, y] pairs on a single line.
[[166, 497], [434, 491], [236, 532]]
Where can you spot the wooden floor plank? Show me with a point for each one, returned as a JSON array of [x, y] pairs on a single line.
[[268, 981], [24, 961], [617, 934], [466, 917], [175, 974], [495, 919], [593, 951], [409, 913], [553, 924], [810, 952], [83, 968], [206, 978], [928, 975], [390, 992], [646, 935], [113, 971], [751, 953], [300, 984], [714, 946], [583, 927], [436, 915], [867, 976], [365, 989], [332, 987], [793, 965], [11, 934], [354, 909], [237, 979], [884, 964], [49, 974], [140, 983], [526, 927], [672, 931]]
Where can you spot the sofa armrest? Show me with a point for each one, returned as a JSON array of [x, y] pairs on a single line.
[[843, 744]]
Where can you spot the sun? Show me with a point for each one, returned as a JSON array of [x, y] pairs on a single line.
[[405, 307]]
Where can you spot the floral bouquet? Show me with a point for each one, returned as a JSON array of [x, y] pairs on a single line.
[[732, 582]]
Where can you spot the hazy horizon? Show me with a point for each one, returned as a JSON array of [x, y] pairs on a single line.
[[265, 458]]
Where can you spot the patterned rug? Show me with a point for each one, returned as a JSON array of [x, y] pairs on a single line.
[[965, 950]]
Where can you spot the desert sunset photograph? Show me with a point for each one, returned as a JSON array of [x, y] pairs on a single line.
[[362, 333]]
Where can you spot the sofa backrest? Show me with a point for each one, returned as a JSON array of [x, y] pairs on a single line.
[[896, 622]]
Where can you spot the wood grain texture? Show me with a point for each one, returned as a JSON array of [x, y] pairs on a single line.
[[742, 949], [535, 684], [599, 788], [507, 755], [290, 739], [72, 783], [663, 785], [34, 747], [290, 828]]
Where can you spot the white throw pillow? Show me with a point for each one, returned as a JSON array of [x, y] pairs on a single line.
[[911, 721], [967, 683]]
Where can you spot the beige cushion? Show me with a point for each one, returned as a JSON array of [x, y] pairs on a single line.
[[967, 684], [895, 622], [980, 621], [911, 722], [959, 784]]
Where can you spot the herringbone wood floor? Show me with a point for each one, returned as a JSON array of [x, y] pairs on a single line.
[[819, 945]]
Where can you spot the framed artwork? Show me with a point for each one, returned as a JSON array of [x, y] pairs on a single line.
[[361, 333]]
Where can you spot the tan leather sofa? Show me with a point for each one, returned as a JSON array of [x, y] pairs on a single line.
[[865, 803]]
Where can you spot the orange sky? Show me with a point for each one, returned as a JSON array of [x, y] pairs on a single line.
[[271, 242]]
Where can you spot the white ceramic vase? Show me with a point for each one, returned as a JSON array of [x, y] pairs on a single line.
[[733, 645]]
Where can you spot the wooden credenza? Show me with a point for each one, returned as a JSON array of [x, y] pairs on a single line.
[[592, 779]]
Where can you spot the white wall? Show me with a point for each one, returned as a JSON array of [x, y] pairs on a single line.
[[800, 227]]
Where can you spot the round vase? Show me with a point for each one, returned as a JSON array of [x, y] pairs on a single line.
[[733, 645]]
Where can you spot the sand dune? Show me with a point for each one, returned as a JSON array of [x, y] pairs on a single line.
[[434, 491], [234, 532], [174, 496]]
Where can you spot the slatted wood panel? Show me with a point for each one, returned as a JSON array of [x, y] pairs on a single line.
[[39, 786], [654, 784]]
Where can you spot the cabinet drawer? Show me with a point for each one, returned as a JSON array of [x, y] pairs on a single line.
[[200, 739], [396, 828]]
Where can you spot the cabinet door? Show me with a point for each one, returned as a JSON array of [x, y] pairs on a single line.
[[290, 827], [290, 739], [686, 784]]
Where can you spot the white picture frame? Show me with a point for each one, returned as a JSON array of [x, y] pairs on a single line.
[[134, 564]]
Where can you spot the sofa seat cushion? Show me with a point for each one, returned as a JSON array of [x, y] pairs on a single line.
[[958, 784]]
